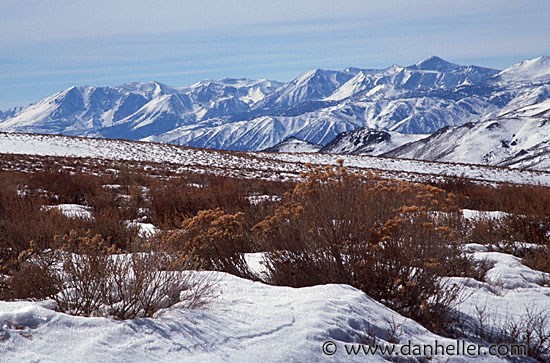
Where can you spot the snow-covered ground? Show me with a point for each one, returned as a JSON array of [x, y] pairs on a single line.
[[253, 322], [71, 210], [279, 166], [250, 321], [470, 214], [257, 199]]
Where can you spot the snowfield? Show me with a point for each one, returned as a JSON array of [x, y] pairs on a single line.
[[253, 322], [71, 210]]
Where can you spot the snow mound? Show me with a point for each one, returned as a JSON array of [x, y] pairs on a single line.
[[248, 322], [71, 210]]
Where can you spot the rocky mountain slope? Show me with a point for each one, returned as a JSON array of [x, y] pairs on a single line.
[[369, 141], [519, 138]]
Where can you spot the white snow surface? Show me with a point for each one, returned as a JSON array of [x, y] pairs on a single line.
[[257, 199], [71, 210], [144, 229], [248, 322], [253, 322], [470, 214], [510, 290]]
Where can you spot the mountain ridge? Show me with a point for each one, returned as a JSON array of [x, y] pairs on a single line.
[[316, 106], [519, 138]]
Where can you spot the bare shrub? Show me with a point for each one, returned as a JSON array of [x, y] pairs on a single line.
[[524, 236], [486, 231], [532, 228], [217, 238], [511, 198], [26, 280], [65, 187], [532, 330], [392, 239], [538, 259], [91, 278]]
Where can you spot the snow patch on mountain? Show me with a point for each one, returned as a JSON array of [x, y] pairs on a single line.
[[536, 69], [293, 144], [310, 86]]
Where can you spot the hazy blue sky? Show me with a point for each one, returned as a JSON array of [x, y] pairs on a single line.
[[49, 45]]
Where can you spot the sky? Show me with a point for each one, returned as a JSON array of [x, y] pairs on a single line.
[[47, 46]]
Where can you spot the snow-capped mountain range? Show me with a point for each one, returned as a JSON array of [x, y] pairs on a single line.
[[242, 114]]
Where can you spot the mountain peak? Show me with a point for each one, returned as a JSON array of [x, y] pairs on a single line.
[[70, 93], [435, 63], [529, 69], [312, 73]]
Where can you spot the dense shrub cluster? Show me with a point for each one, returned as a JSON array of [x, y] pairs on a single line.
[[392, 239], [32, 251], [114, 201], [523, 229], [511, 198]]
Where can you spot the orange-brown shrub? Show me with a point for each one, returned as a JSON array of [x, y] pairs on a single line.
[[217, 238], [392, 239]]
